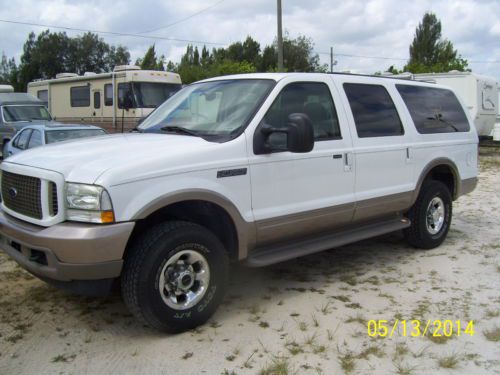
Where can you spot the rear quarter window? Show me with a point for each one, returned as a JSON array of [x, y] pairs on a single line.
[[434, 110]]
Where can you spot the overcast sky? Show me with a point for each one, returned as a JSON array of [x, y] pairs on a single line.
[[380, 28]]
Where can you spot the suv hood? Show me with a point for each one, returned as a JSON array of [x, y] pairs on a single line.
[[87, 159]]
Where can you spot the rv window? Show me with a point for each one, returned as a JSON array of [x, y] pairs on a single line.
[[434, 110], [43, 95], [152, 94], [80, 96], [97, 99], [373, 110], [108, 94], [125, 96]]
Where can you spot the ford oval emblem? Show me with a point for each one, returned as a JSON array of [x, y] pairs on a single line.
[[13, 192]]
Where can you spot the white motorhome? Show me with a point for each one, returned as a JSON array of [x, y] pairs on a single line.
[[90, 98], [480, 94]]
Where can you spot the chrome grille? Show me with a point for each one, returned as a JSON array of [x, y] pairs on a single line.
[[22, 194]]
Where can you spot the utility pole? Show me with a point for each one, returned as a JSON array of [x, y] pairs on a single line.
[[280, 39], [331, 59]]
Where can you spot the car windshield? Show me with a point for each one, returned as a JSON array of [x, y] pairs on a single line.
[[52, 136], [16, 113], [151, 95], [217, 108]]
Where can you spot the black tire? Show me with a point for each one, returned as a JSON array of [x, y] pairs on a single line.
[[149, 254], [418, 234]]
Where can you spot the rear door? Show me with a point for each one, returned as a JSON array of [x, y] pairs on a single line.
[[382, 157], [296, 194]]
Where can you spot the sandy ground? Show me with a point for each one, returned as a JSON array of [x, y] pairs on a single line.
[[306, 316]]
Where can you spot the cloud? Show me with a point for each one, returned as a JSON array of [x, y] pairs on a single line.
[[380, 28]]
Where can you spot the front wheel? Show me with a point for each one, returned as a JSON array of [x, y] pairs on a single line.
[[430, 216], [174, 276]]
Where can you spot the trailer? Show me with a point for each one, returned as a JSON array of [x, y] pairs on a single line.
[[115, 101]]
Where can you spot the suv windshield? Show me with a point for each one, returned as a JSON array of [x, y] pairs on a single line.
[[217, 108], [15, 113]]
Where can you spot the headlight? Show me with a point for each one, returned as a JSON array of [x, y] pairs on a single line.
[[88, 203]]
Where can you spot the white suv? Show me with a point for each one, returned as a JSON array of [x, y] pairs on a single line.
[[256, 168]]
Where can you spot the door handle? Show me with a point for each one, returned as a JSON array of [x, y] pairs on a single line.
[[337, 156], [347, 162]]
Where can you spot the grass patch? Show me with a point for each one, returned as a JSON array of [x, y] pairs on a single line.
[[342, 298], [278, 366], [493, 334], [450, 361], [349, 279], [63, 358], [374, 350], [347, 361]]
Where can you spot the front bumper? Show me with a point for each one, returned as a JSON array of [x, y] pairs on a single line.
[[66, 251]]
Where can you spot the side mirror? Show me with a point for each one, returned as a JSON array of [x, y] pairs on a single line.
[[299, 136]]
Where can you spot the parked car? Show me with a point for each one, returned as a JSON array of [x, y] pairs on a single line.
[[18, 110], [32, 136], [254, 168]]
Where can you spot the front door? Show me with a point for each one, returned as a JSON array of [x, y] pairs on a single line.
[[98, 105], [297, 194]]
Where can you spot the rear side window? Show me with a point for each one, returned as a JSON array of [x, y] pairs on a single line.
[[373, 110], [434, 110], [80, 96]]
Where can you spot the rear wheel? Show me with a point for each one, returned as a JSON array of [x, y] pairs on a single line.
[[430, 216], [175, 276]]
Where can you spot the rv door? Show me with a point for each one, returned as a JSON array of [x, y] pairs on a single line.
[[98, 106]]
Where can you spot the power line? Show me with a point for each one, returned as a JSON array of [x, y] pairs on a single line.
[[112, 33], [400, 59], [183, 19]]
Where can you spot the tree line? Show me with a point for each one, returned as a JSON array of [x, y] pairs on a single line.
[[48, 53]]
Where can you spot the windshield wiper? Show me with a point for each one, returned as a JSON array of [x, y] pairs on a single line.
[[180, 130]]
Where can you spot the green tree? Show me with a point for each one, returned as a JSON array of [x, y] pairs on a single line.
[[149, 61], [50, 53], [429, 52]]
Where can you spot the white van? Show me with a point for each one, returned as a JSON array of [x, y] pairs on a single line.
[[91, 98]]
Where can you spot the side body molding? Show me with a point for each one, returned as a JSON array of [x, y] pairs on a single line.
[[245, 231]]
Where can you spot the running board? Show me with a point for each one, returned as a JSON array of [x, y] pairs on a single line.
[[282, 252]]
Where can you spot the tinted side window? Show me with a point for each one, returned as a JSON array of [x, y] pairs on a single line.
[[35, 139], [313, 99], [22, 141], [97, 99], [373, 109], [434, 110], [108, 94], [80, 96]]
